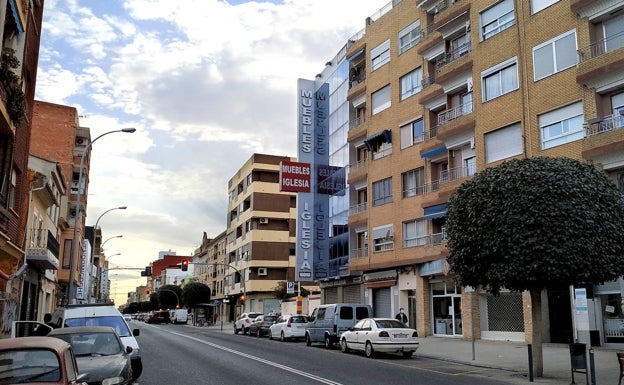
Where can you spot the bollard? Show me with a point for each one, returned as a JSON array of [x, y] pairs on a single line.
[[530, 363], [592, 367]]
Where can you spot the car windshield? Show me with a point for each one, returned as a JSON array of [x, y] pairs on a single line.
[[92, 344], [254, 315], [389, 324], [270, 318], [29, 365], [116, 322]]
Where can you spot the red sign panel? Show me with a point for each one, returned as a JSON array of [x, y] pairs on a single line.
[[294, 176]]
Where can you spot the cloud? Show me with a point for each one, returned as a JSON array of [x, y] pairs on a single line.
[[206, 83]]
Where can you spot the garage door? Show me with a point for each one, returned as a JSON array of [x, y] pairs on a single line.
[[353, 294], [381, 302]]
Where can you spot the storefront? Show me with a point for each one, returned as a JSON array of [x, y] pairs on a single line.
[[446, 307]]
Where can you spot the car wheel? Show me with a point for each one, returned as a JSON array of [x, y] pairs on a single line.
[[343, 346], [282, 338], [258, 333], [328, 342], [307, 339], [235, 330], [368, 350], [408, 354], [245, 330], [270, 334]]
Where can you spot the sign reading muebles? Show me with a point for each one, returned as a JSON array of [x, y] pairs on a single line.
[[294, 176]]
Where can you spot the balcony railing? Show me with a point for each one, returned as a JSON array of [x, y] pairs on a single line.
[[359, 253], [426, 240], [358, 121], [427, 81], [42, 249], [601, 47], [604, 124], [359, 208], [453, 55], [457, 173], [454, 113]]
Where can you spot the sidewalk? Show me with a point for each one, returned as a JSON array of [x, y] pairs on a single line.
[[514, 356]]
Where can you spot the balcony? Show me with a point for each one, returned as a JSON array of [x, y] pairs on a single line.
[[453, 55], [455, 120], [605, 124], [359, 253], [599, 61], [42, 250], [426, 240], [603, 136], [358, 208]]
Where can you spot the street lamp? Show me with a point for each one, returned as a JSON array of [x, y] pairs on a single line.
[[108, 239], [92, 256], [70, 290]]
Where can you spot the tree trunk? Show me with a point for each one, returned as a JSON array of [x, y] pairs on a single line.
[[536, 335]]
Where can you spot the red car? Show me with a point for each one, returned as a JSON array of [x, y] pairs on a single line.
[[34, 360], [159, 317]]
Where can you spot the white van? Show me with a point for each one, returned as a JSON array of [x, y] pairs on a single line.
[[179, 316], [86, 315], [328, 322]]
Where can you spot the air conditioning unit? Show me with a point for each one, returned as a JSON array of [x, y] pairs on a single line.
[[262, 271], [264, 221]]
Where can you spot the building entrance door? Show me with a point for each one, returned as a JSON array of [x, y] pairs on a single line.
[[446, 302]]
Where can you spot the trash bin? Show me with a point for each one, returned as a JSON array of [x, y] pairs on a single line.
[[578, 360]]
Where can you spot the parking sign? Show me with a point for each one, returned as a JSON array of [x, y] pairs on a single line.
[[290, 288]]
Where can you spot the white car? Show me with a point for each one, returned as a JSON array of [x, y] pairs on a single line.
[[244, 321], [289, 326], [386, 335]]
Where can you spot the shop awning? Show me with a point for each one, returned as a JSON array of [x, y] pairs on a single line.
[[437, 211]]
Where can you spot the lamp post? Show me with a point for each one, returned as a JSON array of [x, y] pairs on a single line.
[[92, 256], [72, 257], [108, 239]]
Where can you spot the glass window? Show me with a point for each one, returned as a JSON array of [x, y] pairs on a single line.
[[380, 55], [413, 132], [380, 99], [555, 55], [614, 37], [382, 192], [414, 233], [411, 83], [346, 312], [538, 5], [497, 18], [562, 126], [503, 143], [413, 182], [409, 36], [500, 80]]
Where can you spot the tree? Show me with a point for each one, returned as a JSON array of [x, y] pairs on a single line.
[[195, 293], [531, 224], [169, 296], [279, 291]]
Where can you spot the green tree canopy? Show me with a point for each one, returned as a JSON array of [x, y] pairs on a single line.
[[529, 224], [279, 291], [194, 293]]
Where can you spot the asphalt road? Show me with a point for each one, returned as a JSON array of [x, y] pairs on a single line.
[[183, 354]]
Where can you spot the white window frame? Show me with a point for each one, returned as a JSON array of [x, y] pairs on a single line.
[[498, 70], [503, 143], [411, 83], [496, 19], [557, 51], [538, 5], [415, 233], [381, 99], [383, 238], [412, 34], [409, 136], [569, 122], [380, 55]]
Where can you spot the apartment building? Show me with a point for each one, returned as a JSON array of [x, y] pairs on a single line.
[[210, 262], [20, 39], [440, 89], [58, 136], [260, 244]]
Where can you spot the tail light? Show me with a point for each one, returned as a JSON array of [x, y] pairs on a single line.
[[246, 320], [384, 333]]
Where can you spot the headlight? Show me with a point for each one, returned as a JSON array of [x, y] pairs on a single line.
[[113, 381]]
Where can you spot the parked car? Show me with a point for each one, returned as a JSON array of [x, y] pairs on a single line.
[[37, 360], [159, 317], [90, 315], [328, 322], [244, 321], [289, 326], [387, 335], [127, 317], [179, 316], [100, 354], [260, 325]]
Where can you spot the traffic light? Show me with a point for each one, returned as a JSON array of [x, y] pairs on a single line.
[[185, 265], [147, 272], [242, 298]]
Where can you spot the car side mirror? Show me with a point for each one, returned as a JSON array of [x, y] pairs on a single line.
[[136, 332], [128, 349]]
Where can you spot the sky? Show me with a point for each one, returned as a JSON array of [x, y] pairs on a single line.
[[206, 84]]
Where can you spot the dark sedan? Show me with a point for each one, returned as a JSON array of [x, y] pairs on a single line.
[[261, 324], [159, 317], [100, 354]]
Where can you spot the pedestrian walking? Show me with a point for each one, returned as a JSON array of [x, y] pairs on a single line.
[[401, 316]]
